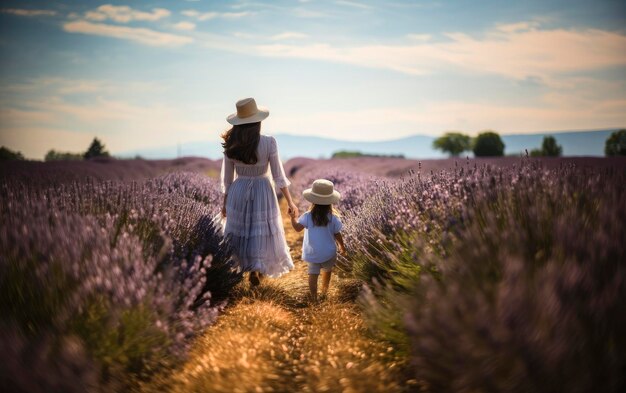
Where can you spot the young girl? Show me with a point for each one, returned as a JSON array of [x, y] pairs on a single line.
[[323, 228]]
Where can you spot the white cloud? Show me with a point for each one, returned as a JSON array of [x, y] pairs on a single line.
[[56, 86], [125, 14], [509, 52], [517, 27], [32, 13], [140, 35], [419, 37], [246, 36], [288, 35], [471, 117], [184, 26], [353, 4], [202, 16], [234, 15], [52, 123], [307, 13]]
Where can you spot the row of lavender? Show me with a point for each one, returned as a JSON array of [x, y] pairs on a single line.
[[103, 283], [495, 279]]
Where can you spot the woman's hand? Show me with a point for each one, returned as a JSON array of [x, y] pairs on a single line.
[[293, 210]]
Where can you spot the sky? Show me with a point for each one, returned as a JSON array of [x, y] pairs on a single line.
[[148, 74]]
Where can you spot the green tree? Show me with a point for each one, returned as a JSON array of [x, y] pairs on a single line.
[[488, 144], [616, 144], [10, 155], [550, 148], [96, 149], [453, 143], [54, 155]]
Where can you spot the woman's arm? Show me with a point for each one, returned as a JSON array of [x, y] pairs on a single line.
[[292, 206], [226, 179], [278, 174]]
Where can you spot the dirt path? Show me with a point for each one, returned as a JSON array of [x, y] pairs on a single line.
[[272, 340]]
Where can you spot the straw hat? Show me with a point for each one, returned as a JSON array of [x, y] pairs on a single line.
[[322, 193], [247, 112]]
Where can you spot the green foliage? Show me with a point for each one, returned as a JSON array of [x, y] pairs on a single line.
[[356, 154], [454, 143], [54, 155], [10, 155], [616, 144], [126, 344], [488, 144], [96, 149], [29, 303], [550, 148]]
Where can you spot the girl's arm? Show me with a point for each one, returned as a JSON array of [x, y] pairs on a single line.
[[342, 246], [295, 224]]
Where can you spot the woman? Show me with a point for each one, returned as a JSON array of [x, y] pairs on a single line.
[[254, 225]]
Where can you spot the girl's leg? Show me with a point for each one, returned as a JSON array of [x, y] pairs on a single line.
[[325, 281], [313, 286]]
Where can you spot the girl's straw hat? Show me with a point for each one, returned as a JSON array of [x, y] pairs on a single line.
[[247, 112], [322, 193]]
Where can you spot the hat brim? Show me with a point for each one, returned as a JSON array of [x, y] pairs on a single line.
[[262, 114], [321, 200]]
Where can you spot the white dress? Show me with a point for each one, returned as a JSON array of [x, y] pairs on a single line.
[[254, 225]]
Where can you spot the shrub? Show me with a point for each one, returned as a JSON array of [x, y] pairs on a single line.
[[549, 148], [529, 297], [96, 150], [53, 155], [130, 272], [488, 144], [499, 279], [616, 144], [7, 154], [454, 143]]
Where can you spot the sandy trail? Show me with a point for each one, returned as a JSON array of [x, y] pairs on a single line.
[[270, 339]]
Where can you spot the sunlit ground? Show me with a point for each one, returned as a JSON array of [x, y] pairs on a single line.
[[274, 339]]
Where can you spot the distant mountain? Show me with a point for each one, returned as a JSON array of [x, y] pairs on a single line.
[[575, 143]]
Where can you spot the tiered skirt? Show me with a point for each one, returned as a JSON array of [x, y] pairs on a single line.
[[254, 227]]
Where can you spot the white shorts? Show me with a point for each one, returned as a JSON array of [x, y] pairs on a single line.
[[327, 266]]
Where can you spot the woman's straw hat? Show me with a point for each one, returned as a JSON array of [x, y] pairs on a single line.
[[322, 193], [247, 112]]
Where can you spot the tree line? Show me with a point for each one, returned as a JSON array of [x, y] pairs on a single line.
[[489, 144], [486, 144], [95, 150]]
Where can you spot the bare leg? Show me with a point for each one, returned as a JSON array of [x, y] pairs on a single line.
[[313, 286], [325, 281]]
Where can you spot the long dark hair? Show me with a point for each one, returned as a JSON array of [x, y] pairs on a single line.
[[241, 141], [320, 213]]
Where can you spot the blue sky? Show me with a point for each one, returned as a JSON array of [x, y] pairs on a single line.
[[146, 74]]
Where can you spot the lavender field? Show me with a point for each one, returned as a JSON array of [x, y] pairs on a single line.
[[470, 275]]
